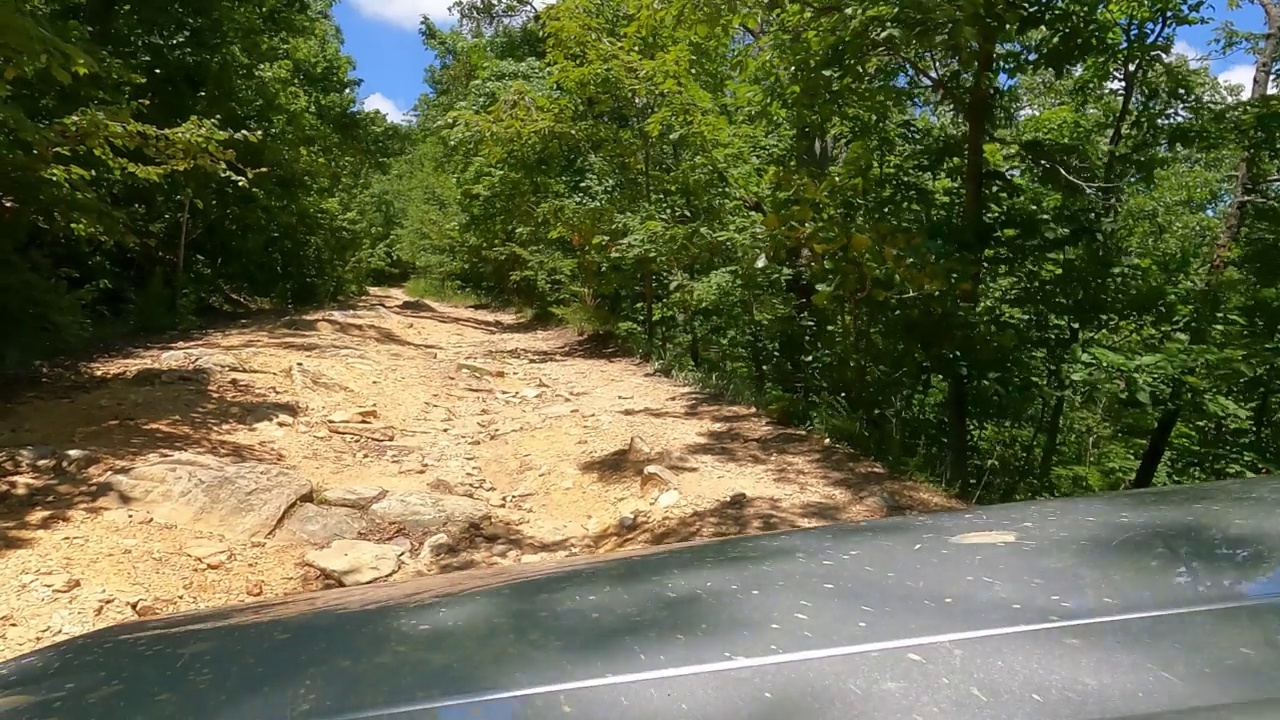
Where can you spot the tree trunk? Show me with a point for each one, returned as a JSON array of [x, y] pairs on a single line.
[[1054, 430], [1232, 224], [976, 113]]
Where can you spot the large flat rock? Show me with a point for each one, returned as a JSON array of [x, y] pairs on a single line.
[[322, 524], [419, 511], [237, 500]]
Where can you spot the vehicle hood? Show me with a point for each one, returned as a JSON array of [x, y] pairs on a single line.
[[439, 642]]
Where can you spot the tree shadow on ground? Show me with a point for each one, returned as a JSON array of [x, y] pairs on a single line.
[[741, 437], [575, 347], [113, 421], [504, 325]]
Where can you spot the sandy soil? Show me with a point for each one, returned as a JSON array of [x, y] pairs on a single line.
[[535, 421]]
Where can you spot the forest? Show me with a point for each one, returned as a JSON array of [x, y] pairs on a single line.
[[1017, 247]]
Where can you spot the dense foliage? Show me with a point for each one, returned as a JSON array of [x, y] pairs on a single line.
[[162, 160], [1020, 246]]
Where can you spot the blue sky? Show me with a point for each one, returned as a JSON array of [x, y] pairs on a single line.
[[382, 36]]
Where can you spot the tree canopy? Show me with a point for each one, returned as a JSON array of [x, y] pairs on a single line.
[[1021, 247], [160, 162]]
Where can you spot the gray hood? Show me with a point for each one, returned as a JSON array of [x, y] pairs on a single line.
[[880, 612]]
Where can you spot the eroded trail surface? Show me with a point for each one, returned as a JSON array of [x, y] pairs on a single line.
[[390, 439]]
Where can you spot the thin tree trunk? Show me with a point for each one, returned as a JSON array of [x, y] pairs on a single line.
[[648, 311], [1054, 430], [1232, 224], [182, 256]]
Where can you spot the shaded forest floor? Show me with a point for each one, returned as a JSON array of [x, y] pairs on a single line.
[[536, 422]]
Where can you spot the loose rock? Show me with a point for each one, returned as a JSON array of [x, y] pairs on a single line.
[[436, 546], [322, 524], [359, 497], [480, 370], [355, 562], [669, 498], [417, 512], [638, 450]]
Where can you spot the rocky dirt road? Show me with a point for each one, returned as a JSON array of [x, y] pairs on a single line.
[[389, 439]]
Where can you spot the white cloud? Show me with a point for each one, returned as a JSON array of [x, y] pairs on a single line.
[[1193, 54], [1241, 74], [406, 14], [386, 106]]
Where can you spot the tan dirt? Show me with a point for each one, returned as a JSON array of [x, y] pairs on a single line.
[[536, 421]]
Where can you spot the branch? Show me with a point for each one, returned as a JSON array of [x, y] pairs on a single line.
[[1087, 186], [934, 82]]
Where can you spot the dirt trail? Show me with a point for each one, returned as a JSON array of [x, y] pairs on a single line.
[[535, 422]]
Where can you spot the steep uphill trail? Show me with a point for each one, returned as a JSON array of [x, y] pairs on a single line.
[[549, 444]]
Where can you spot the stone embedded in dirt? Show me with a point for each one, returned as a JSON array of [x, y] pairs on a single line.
[[359, 497], [737, 498], [28, 458], [876, 505], [668, 498], [656, 476], [499, 531], [238, 500], [60, 582], [355, 562], [500, 549], [378, 433], [402, 542], [480, 370], [144, 607], [322, 524], [626, 522], [677, 460], [555, 411], [522, 491], [638, 450], [201, 359], [45, 459], [418, 511], [253, 588], [360, 415], [213, 555], [127, 515]]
